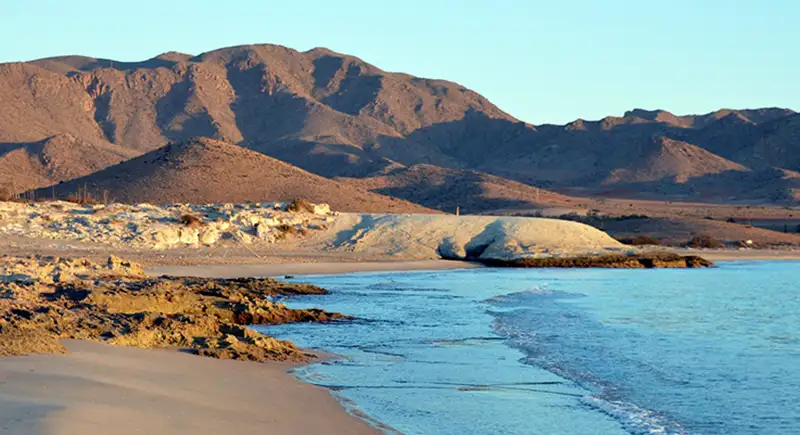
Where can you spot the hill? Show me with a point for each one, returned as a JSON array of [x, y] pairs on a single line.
[[62, 157], [204, 170], [471, 191]]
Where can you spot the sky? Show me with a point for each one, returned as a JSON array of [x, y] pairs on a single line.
[[541, 61]]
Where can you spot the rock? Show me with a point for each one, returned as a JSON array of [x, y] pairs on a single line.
[[322, 209], [263, 231], [656, 260], [451, 249], [154, 227], [188, 236], [209, 236], [208, 316], [118, 266]]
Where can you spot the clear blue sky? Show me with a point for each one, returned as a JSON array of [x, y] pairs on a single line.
[[542, 61]]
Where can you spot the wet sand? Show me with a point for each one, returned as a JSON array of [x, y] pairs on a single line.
[[320, 268], [98, 388]]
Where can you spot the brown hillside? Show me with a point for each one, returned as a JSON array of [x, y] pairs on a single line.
[[670, 159], [471, 191], [63, 157], [204, 170], [338, 116]]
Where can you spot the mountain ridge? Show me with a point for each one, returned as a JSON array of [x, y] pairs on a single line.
[[338, 116]]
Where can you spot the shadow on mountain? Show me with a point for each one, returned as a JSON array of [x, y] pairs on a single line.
[[172, 107], [265, 109], [32, 147], [355, 92], [326, 159], [467, 142]]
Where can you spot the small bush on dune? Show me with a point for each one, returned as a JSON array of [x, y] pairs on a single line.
[[190, 221], [300, 205], [704, 241]]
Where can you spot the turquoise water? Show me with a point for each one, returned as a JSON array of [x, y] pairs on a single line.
[[549, 351]]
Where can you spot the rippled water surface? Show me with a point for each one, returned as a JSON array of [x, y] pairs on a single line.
[[548, 351]]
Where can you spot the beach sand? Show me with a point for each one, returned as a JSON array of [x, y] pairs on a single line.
[[742, 255], [98, 388], [319, 268]]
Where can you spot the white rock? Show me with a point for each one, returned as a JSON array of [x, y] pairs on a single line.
[[322, 209]]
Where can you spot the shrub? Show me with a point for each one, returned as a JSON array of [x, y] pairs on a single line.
[[641, 241], [285, 230], [704, 241], [83, 198], [190, 221], [6, 194], [300, 205]]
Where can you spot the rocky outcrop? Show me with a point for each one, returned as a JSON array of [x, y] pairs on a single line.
[[44, 299], [162, 227], [661, 260]]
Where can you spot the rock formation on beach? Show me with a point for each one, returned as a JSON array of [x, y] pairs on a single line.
[[44, 299], [303, 228], [153, 227]]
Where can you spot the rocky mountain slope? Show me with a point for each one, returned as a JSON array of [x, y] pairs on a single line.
[[202, 171], [469, 191], [62, 157], [338, 116]]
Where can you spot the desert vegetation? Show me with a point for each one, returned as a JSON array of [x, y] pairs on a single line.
[[704, 241]]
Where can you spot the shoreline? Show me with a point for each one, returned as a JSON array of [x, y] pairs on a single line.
[[143, 390], [311, 268], [98, 386]]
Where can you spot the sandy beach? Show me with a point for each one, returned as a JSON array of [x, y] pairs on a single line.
[[743, 255], [98, 388], [315, 268]]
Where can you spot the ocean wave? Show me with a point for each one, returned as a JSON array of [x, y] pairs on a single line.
[[634, 419]]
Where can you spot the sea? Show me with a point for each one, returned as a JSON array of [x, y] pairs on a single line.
[[562, 351]]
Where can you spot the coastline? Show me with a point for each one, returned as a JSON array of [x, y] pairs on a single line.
[[157, 391], [311, 268], [97, 386]]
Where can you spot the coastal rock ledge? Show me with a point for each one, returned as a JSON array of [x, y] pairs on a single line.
[[45, 299], [657, 260]]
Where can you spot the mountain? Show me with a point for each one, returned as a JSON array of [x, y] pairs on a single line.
[[56, 158], [202, 170], [338, 116]]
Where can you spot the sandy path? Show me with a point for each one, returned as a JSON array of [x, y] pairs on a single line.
[[321, 268], [104, 389]]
